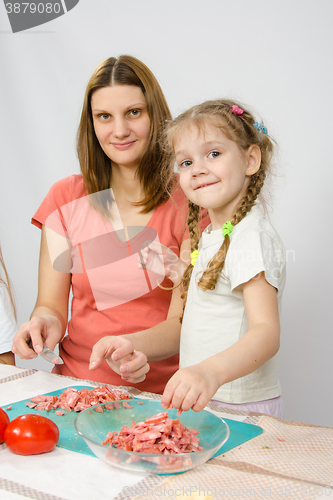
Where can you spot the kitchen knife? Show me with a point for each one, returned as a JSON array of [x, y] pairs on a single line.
[[49, 355]]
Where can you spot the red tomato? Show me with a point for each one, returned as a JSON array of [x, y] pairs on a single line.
[[31, 435], [4, 421]]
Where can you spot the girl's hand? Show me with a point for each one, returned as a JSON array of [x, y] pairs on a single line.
[[39, 329], [121, 356], [161, 260], [194, 386], [191, 387]]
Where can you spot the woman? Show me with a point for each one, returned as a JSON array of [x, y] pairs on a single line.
[[94, 224]]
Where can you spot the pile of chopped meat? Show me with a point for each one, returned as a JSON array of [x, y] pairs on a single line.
[[77, 400], [159, 434]]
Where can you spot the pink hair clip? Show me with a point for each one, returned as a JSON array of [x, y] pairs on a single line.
[[235, 109]]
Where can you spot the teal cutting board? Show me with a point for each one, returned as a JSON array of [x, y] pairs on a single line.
[[240, 432]]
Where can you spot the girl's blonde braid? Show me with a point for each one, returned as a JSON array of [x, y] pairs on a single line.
[[193, 226], [210, 276]]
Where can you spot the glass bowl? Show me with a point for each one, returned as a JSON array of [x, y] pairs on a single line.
[[94, 426]]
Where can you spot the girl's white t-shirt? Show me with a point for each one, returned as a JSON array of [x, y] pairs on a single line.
[[215, 319], [8, 326]]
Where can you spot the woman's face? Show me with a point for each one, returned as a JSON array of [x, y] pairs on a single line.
[[121, 123]]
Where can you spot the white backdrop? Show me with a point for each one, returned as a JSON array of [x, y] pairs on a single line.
[[275, 56]]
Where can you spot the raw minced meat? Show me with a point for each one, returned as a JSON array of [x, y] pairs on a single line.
[[77, 400], [158, 434]]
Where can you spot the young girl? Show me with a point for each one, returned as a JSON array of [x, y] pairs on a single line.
[[230, 332], [7, 316]]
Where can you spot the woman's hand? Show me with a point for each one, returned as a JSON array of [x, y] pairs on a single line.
[[39, 329], [190, 388], [48, 321], [161, 260], [121, 356]]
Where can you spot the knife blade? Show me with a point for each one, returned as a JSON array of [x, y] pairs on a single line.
[[49, 355]]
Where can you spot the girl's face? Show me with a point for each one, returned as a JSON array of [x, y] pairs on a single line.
[[214, 172], [121, 123]]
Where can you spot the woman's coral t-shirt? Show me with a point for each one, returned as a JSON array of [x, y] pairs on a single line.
[[110, 295]]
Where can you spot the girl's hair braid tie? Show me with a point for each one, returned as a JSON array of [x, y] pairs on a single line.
[[227, 229], [194, 256], [236, 110], [260, 127]]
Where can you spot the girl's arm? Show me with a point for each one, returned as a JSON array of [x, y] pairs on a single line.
[[49, 318], [128, 355], [153, 344], [194, 386], [7, 358]]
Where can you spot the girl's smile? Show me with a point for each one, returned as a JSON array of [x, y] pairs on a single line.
[[205, 185], [214, 172]]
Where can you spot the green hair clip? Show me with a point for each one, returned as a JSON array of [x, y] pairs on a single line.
[[194, 256], [227, 228]]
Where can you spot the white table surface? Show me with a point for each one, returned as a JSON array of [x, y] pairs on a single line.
[[61, 474], [288, 459]]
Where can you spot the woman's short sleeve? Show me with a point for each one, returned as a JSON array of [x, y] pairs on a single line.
[[60, 194]]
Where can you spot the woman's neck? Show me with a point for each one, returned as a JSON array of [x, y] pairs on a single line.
[[127, 190], [126, 185]]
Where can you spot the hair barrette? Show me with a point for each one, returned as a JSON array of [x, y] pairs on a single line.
[[194, 256], [227, 229], [236, 110], [260, 127]]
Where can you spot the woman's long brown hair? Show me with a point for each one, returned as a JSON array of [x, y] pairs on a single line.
[[154, 169]]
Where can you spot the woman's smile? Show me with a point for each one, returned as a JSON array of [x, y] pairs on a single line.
[[122, 145]]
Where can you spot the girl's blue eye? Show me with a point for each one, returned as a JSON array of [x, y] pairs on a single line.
[[186, 163], [214, 154]]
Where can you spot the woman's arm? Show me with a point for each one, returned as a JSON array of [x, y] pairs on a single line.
[[49, 318], [194, 386]]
